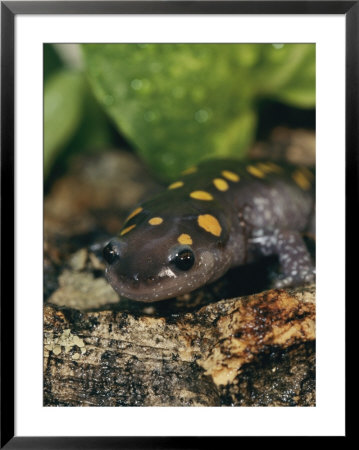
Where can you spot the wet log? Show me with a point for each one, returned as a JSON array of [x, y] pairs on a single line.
[[256, 350]]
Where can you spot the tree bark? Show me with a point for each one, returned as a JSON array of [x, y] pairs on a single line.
[[256, 350]]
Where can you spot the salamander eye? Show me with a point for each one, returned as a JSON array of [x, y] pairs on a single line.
[[110, 253], [184, 259]]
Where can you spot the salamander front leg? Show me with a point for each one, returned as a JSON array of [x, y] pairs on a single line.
[[296, 264], [294, 258]]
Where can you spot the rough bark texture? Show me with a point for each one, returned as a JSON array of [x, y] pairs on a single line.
[[251, 351]]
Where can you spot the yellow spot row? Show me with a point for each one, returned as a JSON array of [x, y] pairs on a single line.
[[219, 183], [153, 221], [206, 221], [259, 170]]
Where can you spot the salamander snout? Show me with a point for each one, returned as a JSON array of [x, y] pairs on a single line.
[[112, 251]]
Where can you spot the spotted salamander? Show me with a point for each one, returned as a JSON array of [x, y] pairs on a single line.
[[220, 214]]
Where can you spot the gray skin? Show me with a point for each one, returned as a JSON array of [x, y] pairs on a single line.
[[258, 217], [153, 275]]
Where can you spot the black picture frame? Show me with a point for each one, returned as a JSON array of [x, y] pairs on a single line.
[[9, 10]]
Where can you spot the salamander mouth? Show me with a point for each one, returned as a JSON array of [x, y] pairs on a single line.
[[153, 289], [168, 282], [149, 289]]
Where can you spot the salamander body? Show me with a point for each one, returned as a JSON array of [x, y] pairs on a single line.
[[220, 214]]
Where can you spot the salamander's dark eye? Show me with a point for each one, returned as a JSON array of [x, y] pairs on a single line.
[[184, 259], [110, 253]]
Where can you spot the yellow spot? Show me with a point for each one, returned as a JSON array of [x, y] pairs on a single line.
[[175, 185], [189, 171], [307, 173], [134, 213], [231, 176], [301, 180], [155, 221], [253, 170], [210, 224], [274, 167], [269, 167], [201, 195], [127, 229], [185, 239], [220, 184]]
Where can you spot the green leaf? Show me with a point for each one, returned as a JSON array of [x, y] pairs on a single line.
[[63, 107], [300, 90], [93, 132], [180, 103], [287, 73], [172, 102], [52, 61]]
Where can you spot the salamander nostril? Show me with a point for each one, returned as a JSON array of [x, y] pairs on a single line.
[[111, 253]]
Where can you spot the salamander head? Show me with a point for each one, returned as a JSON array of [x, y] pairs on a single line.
[[155, 259]]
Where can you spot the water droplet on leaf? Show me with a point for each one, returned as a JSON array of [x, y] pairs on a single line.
[[155, 67], [201, 115]]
